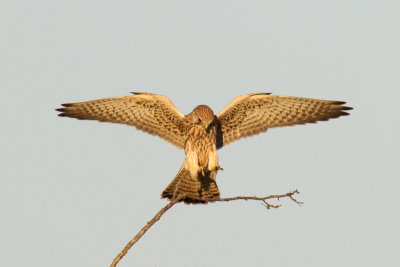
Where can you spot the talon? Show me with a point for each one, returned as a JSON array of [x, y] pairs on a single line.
[[218, 168]]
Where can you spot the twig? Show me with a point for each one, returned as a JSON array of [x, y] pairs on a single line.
[[264, 199], [179, 198]]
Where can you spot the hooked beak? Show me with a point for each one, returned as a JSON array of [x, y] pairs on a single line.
[[207, 126]]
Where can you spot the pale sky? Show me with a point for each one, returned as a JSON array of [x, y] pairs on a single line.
[[73, 193]]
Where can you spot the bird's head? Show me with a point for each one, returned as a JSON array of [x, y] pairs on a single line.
[[203, 115]]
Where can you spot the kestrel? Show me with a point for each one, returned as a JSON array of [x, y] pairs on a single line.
[[201, 133]]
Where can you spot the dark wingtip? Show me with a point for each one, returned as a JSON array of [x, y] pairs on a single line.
[[338, 102], [63, 110], [67, 104], [343, 108], [60, 110], [258, 93]]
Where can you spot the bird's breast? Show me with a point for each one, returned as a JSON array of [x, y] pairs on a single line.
[[200, 142]]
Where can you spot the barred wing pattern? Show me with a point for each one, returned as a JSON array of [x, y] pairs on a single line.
[[151, 113], [252, 114]]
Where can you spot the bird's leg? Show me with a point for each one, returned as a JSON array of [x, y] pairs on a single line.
[[202, 170]]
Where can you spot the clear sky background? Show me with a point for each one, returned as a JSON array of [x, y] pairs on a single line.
[[73, 193]]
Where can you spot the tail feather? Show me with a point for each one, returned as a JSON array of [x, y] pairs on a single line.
[[202, 190]]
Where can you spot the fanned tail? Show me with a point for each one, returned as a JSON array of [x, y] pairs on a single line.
[[202, 190]]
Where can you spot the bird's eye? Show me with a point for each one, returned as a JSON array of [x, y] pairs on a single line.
[[194, 119]]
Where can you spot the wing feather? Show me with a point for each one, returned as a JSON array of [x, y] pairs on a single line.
[[151, 113], [252, 114]]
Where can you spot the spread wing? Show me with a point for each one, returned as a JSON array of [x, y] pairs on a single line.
[[252, 114], [151, 113]]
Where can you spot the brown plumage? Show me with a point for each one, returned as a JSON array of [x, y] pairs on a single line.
[[200, 190], [201, 133]]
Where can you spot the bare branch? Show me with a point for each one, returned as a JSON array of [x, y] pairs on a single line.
[[264, 199], [144, 230], [180, 197]]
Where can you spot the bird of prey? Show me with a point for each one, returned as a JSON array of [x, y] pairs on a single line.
[[201, 133]]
